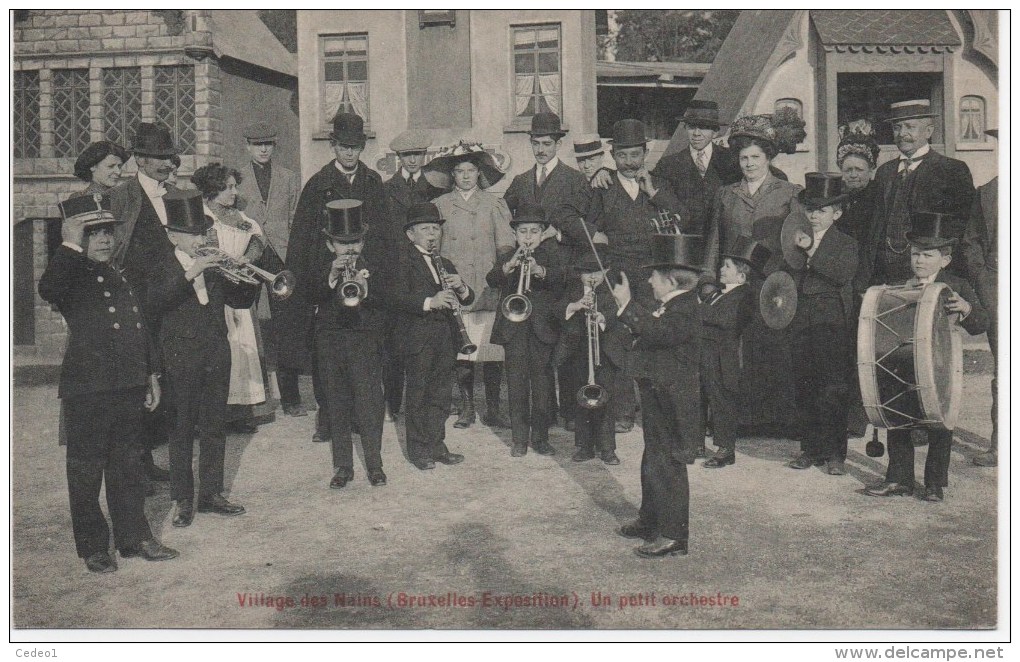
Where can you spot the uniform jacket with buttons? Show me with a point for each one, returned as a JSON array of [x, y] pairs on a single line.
[[543, 295], [109, 346]]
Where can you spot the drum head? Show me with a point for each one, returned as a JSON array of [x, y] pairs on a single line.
[[938, 358]]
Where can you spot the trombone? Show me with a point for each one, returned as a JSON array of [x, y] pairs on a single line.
[[517, 307], [281, 285], [591, 395]]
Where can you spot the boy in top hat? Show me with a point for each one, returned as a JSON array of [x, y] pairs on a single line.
[[427, 329], [665, 364], [528, 343], [110, 372], [724, 316], [594, 424], [932, 238], [348, 340], [188, 297], [824, 269]]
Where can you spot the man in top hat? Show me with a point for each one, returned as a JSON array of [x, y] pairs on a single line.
[[588, 152], [919, 179], [346, 177], [187, 294], [110, 373], [665, 364], [348, 347], [932, 238]]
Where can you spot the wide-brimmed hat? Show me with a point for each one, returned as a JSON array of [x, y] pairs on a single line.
[[748, 250], [702, 113], [930, 229], [529, 213], [185, 212], [439, 171], [858, 144], [587, 146], [546, 124], [822, 189], [587, 263], [343, 221], [411, 140], [259, 132], [754, 126], [348, 129], [628, 133], [423, 212], [95, 153], [677, 251], [910, 110], [154, 140], [92, 209]]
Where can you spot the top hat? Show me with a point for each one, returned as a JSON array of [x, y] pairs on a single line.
[[546, 124], [259, 132], [529, 213], [185, 212], [439, 171], [702, 113], [750, 251], [588, 263], [423, 212], [411, 141], [677, 251], [93, 209], [930, 229], [628, 133], [821, 189], [343, 221], [95, 153], [910, 110], [348, 129], [588, 145], [154, 140]]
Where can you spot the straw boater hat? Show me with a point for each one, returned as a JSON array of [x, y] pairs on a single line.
[[439, 171], [587, 146], [821, 189], [343, 221], [92, 209], [910, 110]]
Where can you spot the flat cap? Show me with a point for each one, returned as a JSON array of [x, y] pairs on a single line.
[[411, 141], [259, 131]]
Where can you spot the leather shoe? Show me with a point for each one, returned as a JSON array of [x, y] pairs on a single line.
[[662, 547], [519, 450], [340, 479], [295, 410], [719, 461], [243, 427], [987, 459], [636, 529], [609, 457], [319, 438], [836, 467], [424, 464], [100, 562], [543, 448], [154, 472], [450, 458], [494, 419], [570, 425], [583, 455], [804, 462], [219, 505], [150, 550], [376, 477], [889, 489], [701, 452], [933, 493], [184, 514], [623, 427]]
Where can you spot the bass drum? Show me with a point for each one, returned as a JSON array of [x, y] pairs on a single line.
[[909, 357]]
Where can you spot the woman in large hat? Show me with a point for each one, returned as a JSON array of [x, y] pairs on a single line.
[[857, 158], [477, 228]]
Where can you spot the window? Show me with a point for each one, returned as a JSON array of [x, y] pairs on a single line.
[[972, 120], [122, 103], [25, 115], [867, 96], [70, 111], [175, 103], [344, 76], [537, 70]]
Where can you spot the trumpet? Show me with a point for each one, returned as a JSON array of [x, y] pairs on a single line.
[[350, 291], [517, 307], [591, 395], [466, 346], [281, 285]]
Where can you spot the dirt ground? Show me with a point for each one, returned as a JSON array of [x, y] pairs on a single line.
[[797, 549]]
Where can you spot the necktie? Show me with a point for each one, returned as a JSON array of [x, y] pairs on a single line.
[[905, 165], [660, 311], [409, 179], [350, 177], [701, 162], [541, 177]]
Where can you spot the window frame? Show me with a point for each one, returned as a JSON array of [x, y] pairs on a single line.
[[126, 129], [175, 125], [326, 123], [983, 111], [21, 146], [525, 120], [70, 146]]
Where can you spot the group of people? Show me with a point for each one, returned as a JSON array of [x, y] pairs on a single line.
[[599, 290]]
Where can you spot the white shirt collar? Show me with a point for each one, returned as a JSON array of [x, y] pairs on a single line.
[[405, 174], [916, 155], [629, 185], [707, 152], [927, 281], [730, 286], [152, 187], [669, 297], [548, 167], [467, 194], [818, 235], [753, 187], [345, 172]]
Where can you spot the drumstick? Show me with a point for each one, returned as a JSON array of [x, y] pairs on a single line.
[[605, 276]]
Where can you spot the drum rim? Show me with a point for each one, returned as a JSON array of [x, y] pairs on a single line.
[[866, 374], [924, 366]]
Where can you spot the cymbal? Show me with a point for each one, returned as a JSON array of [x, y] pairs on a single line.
[[778, 300], [794, 256]]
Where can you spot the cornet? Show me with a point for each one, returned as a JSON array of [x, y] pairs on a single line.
[[281, 285], [517, 307], [591, 395], [350, 291]]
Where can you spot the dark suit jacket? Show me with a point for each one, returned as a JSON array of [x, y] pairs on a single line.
[[543, 295], [981, 243], [668, 348], [697, 191], [977, 322], [109, 346], [614, 342], [825, 284], [405, 297], [331, 314], [858, 210], [399, 197], [628, 223], [722, 324], [564, 196]]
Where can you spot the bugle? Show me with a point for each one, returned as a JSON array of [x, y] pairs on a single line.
[[281, 285], [349, 290], [592, 395], [466, 346], [517, 307]]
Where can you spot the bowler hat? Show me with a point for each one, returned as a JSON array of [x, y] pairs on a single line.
[[185, 212], [529, 213], [750, 251], [93, 209], [95, 153], [546, 124], [423, 212], [588, 263], [628, 133], [702, 113], [677, 251], [348, 129], [821, 189], [588, 145], [343, 220], [910, 110], [930, 229], [411, 141], [260, 132], [154, 140]]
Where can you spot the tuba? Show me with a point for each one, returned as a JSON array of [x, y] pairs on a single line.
[[517, 307], [281, 285], [591, 395]]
